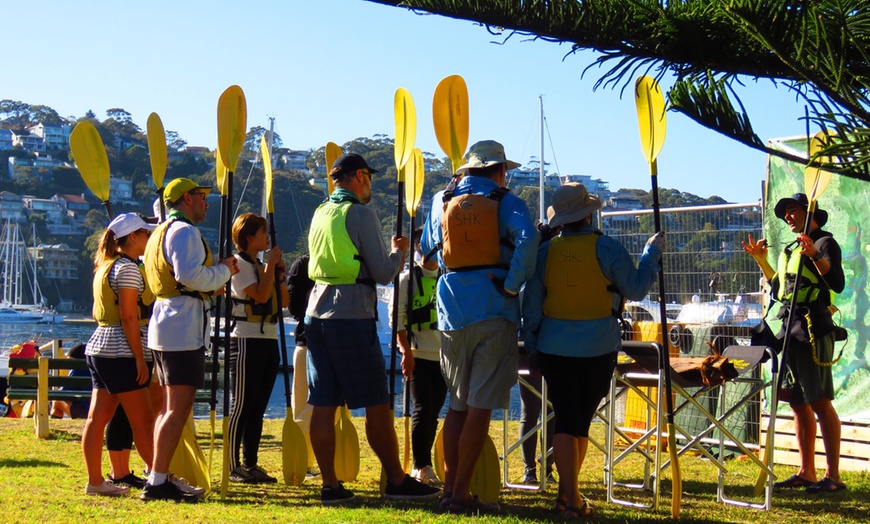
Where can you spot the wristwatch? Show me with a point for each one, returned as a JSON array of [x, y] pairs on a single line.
[[817, 256]]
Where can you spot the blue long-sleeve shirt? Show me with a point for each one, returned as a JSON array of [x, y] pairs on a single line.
[[586, 338], [468, 297]]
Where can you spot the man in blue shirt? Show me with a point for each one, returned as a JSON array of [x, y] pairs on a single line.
[[486, 242]]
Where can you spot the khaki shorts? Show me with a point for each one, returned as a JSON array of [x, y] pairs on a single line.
[[479, 364]]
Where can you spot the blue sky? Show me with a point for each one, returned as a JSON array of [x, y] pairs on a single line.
[[327, 70]]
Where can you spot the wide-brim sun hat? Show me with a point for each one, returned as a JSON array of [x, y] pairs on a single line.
[[484, 154], [571, 203], [800, 199]]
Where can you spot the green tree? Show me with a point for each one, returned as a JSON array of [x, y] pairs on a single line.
[[816, 49]]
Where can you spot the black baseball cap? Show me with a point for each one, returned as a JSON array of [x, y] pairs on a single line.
[[349, 163]]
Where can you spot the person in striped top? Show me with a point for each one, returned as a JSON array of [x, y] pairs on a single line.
[[116, 351]]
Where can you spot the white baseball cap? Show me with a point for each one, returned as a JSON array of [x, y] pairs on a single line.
[[126, 223]]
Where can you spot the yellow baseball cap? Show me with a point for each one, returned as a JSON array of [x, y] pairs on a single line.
[[178, 187]]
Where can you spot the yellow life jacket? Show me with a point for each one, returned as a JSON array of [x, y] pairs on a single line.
[[335, 260], [158, 270], [106, 308], [255, 311], [810, 287], [576, 287], [423, 312], [470, 228]]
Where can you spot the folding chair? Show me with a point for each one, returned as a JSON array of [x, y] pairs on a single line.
[[641, 368], [510, 446]]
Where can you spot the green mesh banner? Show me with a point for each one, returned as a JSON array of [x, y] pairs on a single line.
[[847, 202]]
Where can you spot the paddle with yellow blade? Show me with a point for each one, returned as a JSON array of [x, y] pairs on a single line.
[[450, 116], [90, 157], [293, 446], [815, 182], [221, 176], [232, 126], [652, 123], [332, 154], [414, 174], [346, 447], [157, 154], [403, 149]]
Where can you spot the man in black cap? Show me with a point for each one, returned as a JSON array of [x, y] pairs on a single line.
[[345, 362], [809, 380]]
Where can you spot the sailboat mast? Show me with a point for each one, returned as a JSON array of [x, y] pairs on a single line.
[[541, 166]]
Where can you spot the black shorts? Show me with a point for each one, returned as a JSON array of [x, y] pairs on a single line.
[[180, 368], [115, 375], [576, 386]]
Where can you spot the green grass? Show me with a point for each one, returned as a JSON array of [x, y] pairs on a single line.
[[43, 481]]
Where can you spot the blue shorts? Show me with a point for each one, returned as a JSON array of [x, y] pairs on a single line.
[[345, 363]]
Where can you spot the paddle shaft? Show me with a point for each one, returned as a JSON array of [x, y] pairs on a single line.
[[228, 302], [663, 306], [163, 205], [394, 337], [281, 340], [215, 336]]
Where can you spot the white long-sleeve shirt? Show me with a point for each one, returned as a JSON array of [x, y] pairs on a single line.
[[181, 323]]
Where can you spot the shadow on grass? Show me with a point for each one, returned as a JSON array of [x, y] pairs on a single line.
[[31, 463]]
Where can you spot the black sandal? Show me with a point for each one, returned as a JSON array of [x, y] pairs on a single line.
[[793, 482], [576, 512]]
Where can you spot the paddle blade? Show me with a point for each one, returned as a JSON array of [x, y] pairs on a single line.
[[651, 118], [90, 158], [332, 154], [156, 149], [450, 116], [414, 175], [346, 448], [295, 452], [438, 454], [485, 481], [267, 169], [406, 128], [220, 171], [188, 461], [815, 179], [232, 125]]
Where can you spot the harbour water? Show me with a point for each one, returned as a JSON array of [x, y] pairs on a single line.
[[79, 330]]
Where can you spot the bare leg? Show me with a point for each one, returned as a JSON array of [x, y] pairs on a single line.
[[470, 445], [805, 431], [829, 422], [453, 424], [381, 433], [323, 442], [299, 398], [137, 406], [120, 461], [177, 403], [103, 406]]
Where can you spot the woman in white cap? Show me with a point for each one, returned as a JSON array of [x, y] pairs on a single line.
[[570, 320], [116, 351]]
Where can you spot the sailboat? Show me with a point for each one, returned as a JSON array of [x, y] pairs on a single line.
[[21, 300]]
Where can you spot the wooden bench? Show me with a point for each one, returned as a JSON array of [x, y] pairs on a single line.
[[50, 375]]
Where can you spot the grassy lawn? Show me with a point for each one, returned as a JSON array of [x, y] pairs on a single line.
[[43, 481]]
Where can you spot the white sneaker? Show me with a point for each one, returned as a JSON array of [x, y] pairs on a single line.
[[183, 485], [106, 489], [427, 476]]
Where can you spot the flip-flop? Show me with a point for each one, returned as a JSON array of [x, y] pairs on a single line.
[[826, 485], [793, 482]]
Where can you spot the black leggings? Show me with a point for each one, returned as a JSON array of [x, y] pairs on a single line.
[[253, 369], [576, 386], [428, 390]]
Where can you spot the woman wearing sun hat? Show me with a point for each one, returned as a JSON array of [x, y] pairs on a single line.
[[116, 351], [570, 320]]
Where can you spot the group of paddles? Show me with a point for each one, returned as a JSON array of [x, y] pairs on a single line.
[[456, 315]]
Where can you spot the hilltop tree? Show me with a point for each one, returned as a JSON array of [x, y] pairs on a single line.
[[816, 49]]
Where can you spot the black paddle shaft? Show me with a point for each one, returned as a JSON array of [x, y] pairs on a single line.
[[394, 338], [663, 306], [215, 336], [228, 302], [280, 313]]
